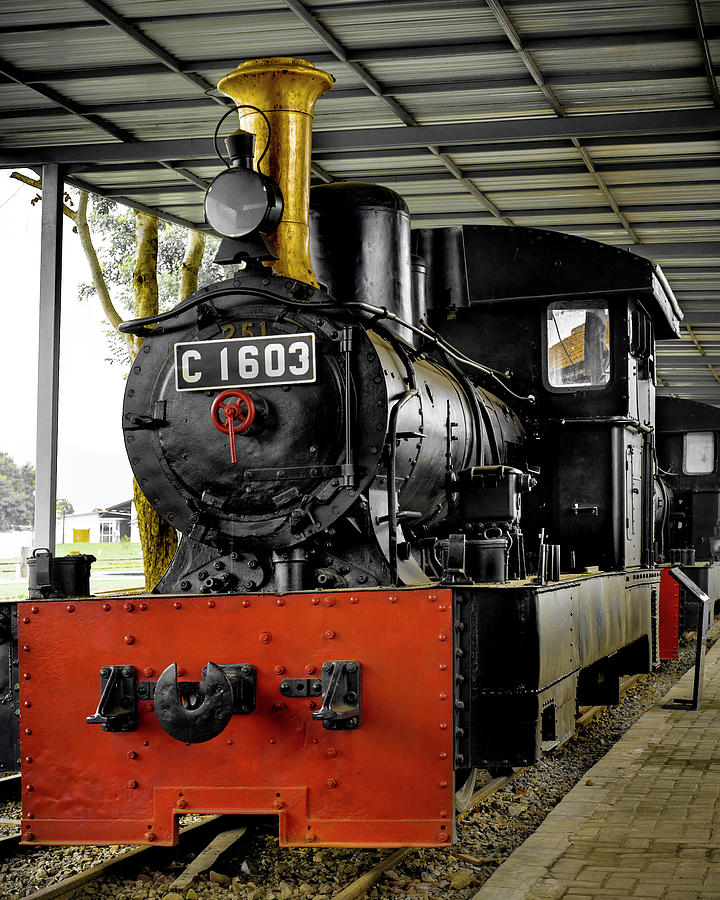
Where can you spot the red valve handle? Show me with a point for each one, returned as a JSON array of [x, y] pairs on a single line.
[[233, 411], [235, 420]]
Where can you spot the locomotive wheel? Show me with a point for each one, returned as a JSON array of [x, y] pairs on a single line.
[[465, 778]]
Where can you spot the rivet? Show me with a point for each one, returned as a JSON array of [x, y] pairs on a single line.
[[443, 814], [309, 670], [443, 754], [27, 704], [211, 604], [128, 607], [280, 601], [181, 670], [278, 804], [106, 607], [26, 648], [443, 667], [132, 784], [443, 837], [30, 815], [392, 598], [432, 597], [129, 639], [331, 751], [442, 637], [329, 635], [26, 620], [30, 789], [34, 609], [354, 599], [265, 637], [70, 607], [229, 741], [442, 607], [443, 696], [150, 836], [28, 759], [246, 603], [148, 672], [26, 676], [28, 731], [131, 754], [279, 670], [310, 837], [148, 707], [315, 601], [277, 706], [142, 606], [330, 601], [177, 605], [443, 726], [331, 782], [443, 784]]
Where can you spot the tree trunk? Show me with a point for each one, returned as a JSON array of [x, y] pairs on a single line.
[[158, 538], [191, 264]]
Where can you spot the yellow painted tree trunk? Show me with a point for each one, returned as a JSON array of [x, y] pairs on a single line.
[[158, 538]]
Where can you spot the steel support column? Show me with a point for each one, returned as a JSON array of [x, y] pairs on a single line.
[[48, 357]]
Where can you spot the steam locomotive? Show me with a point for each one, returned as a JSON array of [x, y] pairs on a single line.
[[414, 473]]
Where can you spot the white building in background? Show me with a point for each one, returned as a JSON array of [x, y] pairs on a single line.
[[100, 526]]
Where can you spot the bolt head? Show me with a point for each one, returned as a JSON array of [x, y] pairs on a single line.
[[127, 671], [443, 837], [331, 751], [132, 785], [265, 637], [131, 754], [129, 639], [148, 672], [329, 635], [279, 670], [310, 837], [150, 836], [29, 836], [331, 782], [278, 804], [181, 803], [310, 669]]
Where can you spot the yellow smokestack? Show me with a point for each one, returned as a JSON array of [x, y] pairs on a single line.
[[285, 89]]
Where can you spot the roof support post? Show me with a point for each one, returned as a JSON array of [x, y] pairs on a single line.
[[48, 356]]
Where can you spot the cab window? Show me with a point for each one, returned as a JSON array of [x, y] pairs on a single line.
[[578, 345], [699, 453]]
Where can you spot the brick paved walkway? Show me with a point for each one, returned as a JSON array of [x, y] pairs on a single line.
[[647, 824]]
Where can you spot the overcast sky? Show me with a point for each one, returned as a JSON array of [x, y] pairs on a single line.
[[92, 466]]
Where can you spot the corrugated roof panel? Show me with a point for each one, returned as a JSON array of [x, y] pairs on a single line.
[[245, 37], [607, 57], [660, 148], [676, 93], [534, 19], [22, 13], [476, 106], [497, 155], [668, 175], [96, 46], [670, 233], [138, 8], [676, 194], [405, 23], [589, 198], [498, 64]]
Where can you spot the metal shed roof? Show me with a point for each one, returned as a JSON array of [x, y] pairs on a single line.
[[596, 117]]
